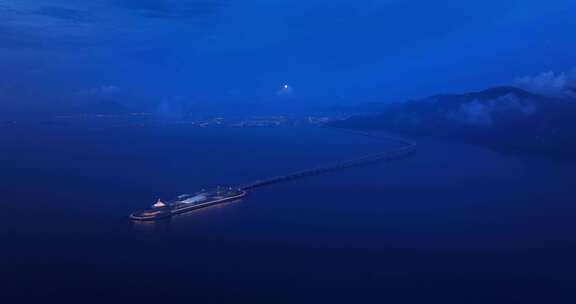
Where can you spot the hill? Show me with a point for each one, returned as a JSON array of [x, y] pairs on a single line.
[[501, 117]]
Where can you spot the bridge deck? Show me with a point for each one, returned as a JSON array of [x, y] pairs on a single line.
[[408, 147]]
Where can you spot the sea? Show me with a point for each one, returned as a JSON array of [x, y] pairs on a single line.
[[453, 223]]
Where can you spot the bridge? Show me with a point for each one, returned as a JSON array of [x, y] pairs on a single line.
[[162, 211], [406, 149]]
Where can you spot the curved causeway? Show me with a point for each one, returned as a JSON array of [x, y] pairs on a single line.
[[186, 202]]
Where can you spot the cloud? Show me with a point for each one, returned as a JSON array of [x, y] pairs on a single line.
[[105, 92], [483, 113], [64, 13], [473, 113], [172, 108], [182, 9], [26, 25], [10, 39], [561, 84]]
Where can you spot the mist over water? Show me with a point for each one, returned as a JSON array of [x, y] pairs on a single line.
[[452, 221]]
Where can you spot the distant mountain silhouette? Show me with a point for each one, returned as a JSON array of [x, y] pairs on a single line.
[[501, 117]]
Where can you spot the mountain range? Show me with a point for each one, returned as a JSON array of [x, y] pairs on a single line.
[[505, 118]]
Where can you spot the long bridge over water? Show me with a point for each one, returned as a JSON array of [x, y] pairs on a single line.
[[407, 148], [160, 210]]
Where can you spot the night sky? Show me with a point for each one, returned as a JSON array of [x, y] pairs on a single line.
[[329, 52]]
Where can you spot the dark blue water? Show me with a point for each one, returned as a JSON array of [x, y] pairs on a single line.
[[454, 223]]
